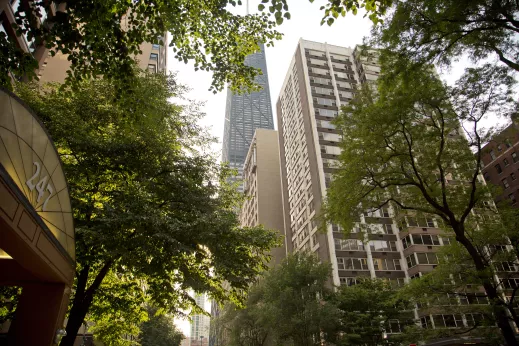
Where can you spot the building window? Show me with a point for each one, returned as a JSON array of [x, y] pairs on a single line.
[[349, 244], [352, 263], [515, 158], [427, 258], [386, 264], [505, 161], [411, 261], [512, 198], [498, 169], [487, 176], [348, 281], [324, 102], [388, 228], [152, 68], [512, 176], [382, 245], [154, 56], [492, 154], [155, 46], [499, 147], [505, 183]]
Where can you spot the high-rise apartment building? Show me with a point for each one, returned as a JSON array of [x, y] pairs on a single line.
[[244, 114], [262, 187], [321, 78], [500, 159]]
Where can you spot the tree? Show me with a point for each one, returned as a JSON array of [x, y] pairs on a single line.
[[159, 330], [375, 9], [203, 31], [289, 306], [150, 221], [443, 30], [369, 311], [407, 144], [249, 326]]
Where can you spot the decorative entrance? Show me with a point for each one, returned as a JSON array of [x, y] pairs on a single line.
[[36, 225]]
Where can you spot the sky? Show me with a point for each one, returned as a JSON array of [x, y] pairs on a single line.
[[305, 21]]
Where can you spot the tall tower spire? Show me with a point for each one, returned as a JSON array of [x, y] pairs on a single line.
[[245, 113]]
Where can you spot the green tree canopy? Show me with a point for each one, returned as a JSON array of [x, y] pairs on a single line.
[[289, 306], [154, 217], [101, 37], [407, 144], [443, 30], [369, 312], [159, 330]]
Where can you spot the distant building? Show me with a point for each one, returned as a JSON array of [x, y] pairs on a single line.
[[199, 335], [262, 187], [500, 160], [244, 114]]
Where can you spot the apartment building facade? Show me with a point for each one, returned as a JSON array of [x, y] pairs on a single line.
[[54, 68], [322, 78], [244, 113], [262, 188], [500, 160]]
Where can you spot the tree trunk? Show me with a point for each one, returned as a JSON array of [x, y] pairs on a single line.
[[82, 301], [499, 311]]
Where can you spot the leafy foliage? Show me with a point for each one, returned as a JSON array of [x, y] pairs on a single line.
[[9, 296], [159, 330], [443, 30], [151, 224], [403, 146], [375, 9], [369, 311], [289, 306], [203, 31]]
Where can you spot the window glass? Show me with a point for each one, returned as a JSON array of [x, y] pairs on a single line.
[[492, 155], [505, 161], [498, 169], [422, 258], [154, 56]]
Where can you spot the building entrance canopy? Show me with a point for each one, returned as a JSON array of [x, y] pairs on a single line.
[[36, 224]]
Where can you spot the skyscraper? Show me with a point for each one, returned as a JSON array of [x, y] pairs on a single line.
[[245, 113]]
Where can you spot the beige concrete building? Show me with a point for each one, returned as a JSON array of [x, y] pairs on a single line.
[[321, 78], [262, 187], [54, 68], [153, 59]]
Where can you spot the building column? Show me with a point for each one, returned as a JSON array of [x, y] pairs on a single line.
[[39, 314]]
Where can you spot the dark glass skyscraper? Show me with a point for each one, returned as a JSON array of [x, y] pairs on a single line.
[[244, 114]]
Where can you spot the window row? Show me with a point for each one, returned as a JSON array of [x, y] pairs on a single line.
[[421, 258], [420, 239], [347, 263], [453, 321], [324, 102]]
